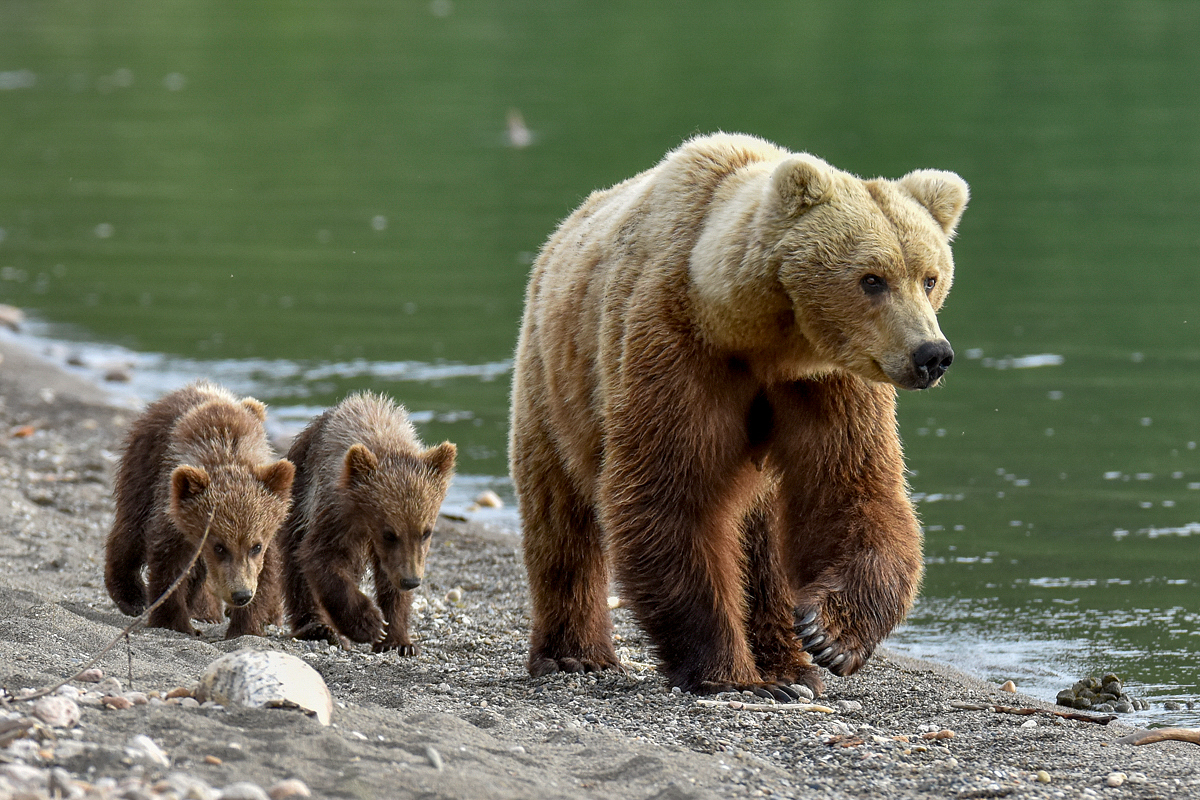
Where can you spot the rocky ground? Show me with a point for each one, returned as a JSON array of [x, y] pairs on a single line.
[[463, 719]]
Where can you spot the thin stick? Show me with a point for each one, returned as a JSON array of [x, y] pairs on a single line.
[[1162, 735], [738, 705], [138, 620], [1099, 719]]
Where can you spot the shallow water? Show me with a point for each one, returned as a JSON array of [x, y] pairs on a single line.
[[301, 200]]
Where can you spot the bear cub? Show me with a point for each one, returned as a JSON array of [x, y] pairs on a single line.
[[198, 459], [366, 494]]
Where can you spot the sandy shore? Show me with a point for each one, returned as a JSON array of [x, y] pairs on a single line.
[[466, 701]]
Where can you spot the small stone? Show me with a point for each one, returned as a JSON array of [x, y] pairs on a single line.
[[187, 787], [435, 758], [213, 761], [614, 601], [141, 748], [57, 712], [289, 788], [110, 685], [944, 733], [1008, 686], [1171, 705], [488, 499], [243, 790], [179, 691], [1029, 723], [23, 776], [1115, 779], [11, 317], [848, 706], [93, 675], [118, 375], [802, 690], [455, 595], [1065, 698], [137, 698], [116, 702], [62, 785], [189, 702], [1043, 776]]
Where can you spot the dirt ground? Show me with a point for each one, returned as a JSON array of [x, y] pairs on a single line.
[[463, 719]]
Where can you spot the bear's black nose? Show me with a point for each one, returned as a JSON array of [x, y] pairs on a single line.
[[409, 583], [930, 362], [241, 598]]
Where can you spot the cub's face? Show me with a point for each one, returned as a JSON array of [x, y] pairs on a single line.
[[242, 510], [397, 499], [868, 265]]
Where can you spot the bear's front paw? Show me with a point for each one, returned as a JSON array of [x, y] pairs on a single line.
[[540, 666], [772, 690], [831, 646], [400, 648], [364, 623]]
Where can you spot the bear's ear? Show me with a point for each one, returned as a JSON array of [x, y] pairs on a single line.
[[800, 182], [277, 477], [187, 482], [943, 193], [360, 462], [440, 459], [255, 407]]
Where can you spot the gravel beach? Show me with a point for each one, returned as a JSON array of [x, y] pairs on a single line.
[[463, 719]]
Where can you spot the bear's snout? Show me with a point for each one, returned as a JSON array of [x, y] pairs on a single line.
[[930, 362], [408, 584], [241, 597]]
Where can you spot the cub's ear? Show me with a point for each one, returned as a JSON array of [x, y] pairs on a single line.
[[943, 193], [440, 459], [255, 407], [800, 182], [277, 477], [187, 482], [360, 462]]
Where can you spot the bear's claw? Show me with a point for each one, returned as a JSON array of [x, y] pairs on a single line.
[[825, 649], [546, 665], [780, 692]]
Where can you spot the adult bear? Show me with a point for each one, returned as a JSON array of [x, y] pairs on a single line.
[[704, 400]]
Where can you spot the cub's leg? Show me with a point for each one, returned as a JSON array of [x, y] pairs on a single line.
[[395, 604], [124, 557], [169, 555], [851, 539]]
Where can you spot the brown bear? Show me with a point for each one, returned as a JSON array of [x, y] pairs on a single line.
[[367, 493], [704, 403], [198, 458]]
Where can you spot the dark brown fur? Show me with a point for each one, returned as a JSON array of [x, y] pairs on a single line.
[[367, 495], [198, 458], [701, 403]]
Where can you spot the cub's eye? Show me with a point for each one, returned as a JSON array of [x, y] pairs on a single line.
[[256, 549], [873, 284], [427, 534], [220, 550], [930, 282], [389, 536]]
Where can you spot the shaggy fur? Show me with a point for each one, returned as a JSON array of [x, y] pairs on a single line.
[[703, 404], [195, 454], [367, 494]]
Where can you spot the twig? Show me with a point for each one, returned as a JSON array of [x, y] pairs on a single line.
[[1162, 735], [138, 620], [738, 705], [1099, 719]]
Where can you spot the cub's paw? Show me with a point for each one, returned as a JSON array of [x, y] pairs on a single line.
[[320, 632], [830, 645], [403, 649], [364, 624]]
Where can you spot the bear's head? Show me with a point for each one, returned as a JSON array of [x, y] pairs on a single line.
[[241, 507], [396, 499], [822, 270]]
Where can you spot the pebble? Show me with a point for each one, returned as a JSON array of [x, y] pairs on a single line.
[[944, 733], [57, 712], [179, 691], [848, 706], [93, 675], [289, 788], [137, 698], [1115, 779], [141, 748], [243, 790], [435, 758], [116, 702], [802, 690], [455, 595], [1008, 686], [185, 786], [1043, 776], [110, 685], [488, 499]]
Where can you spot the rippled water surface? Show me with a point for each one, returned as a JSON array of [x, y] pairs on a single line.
[[302, 199]]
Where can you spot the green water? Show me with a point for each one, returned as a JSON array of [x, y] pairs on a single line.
[[305, 198]]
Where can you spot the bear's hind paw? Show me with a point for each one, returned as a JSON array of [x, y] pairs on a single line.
[[541, 666], [779, 692]]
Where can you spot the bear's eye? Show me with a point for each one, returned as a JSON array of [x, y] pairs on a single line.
[[220, 550], [427, 534], [930, 282], [873, 284], [256, 549], [389, 536]]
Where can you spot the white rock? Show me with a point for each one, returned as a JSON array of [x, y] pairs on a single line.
[[141, 748], [265, 679], [488, 499], [57, 711], [109, 685], [243, 790], [802, 690], [289, 788], [1115, 779], [190, 787], [23, 776]]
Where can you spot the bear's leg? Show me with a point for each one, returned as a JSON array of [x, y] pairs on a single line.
[[678, 480], [168, 557], [769, 619], [303, 614], [564, 559], [395, 605], [202, 603], [333, 575], [852, 541], [265, 607], [125, 555]]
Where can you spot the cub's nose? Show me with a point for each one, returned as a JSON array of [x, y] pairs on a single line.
[[930, 362], [409, 584], [241, 598]]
